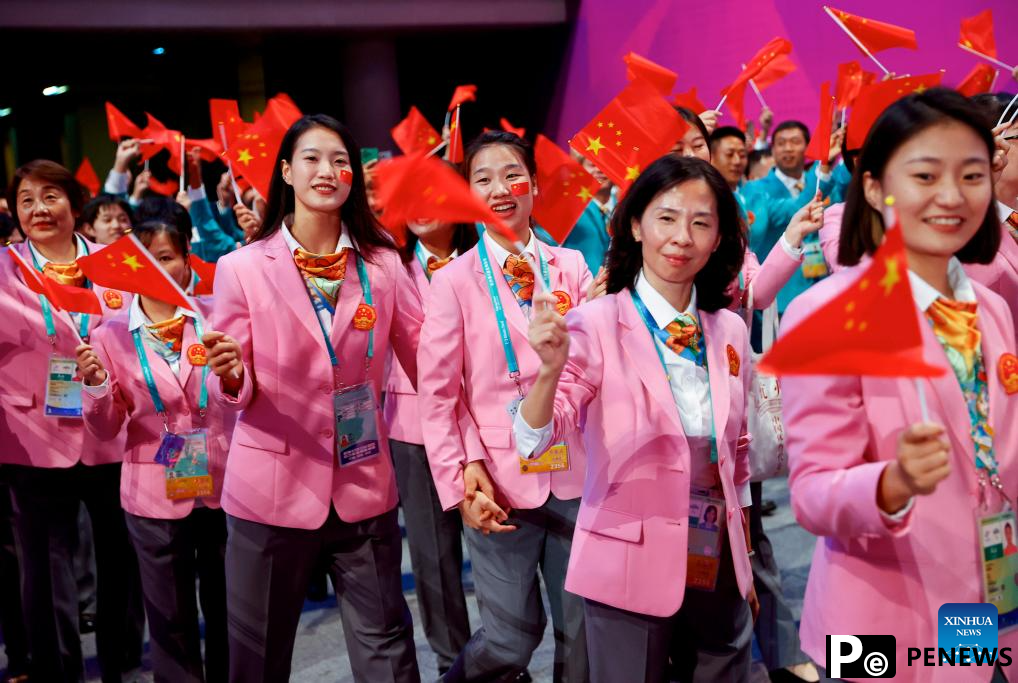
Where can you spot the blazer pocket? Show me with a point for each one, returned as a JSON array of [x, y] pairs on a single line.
[[612, 523], [495, 437], [251, 436], [26, 400]]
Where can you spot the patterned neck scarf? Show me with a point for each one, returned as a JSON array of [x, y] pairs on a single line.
[[435, 263], [954, 323], [166, 338], [324, 272], [685, 336], [65, 273], [520, 277]]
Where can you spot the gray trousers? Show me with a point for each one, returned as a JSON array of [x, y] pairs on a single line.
[[268, 569], [513, 619], [709, 640], [436, 553], [776, 631], [172, 553]]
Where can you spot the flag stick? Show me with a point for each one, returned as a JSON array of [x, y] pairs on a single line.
[[988, 58], [993, 84], [924, 410], [844, 116], [437, 148], [718, 108], [856, 40], [1006, 109], [543, 286], [183, 163], [146, 165], [756, 90], [229, 164]]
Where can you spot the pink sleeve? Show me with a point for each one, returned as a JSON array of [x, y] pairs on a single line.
[[439, 385], [581, 378], [104, 415], [405, 332], [830, 236], [742, 471], [833, 482], [774, 274], [585, 277], [232, 315]]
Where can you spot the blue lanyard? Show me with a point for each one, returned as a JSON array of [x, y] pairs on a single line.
[[47, 315], [319, 302], [150, 382], [500, 319], [419, 253], [657, 333]]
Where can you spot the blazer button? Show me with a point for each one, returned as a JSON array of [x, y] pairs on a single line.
[[326, 433]]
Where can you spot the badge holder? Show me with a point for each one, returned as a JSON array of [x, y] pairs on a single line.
[[356, 418], [63, 388], [998, 552], [706, 524], [814, 266], [187, 475]]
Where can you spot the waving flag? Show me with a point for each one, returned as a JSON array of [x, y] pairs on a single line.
[[640, 67], [128, 266], [566, 189]]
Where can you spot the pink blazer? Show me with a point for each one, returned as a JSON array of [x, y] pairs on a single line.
[[27, 436], [464, 380], [630, 545], [402, 410], [830, 235], [142, 480], [869, 576], [767, 280], [1001, 275], [282, 467]]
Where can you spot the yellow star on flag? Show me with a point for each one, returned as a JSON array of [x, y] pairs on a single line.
[[584, 194], [594, 145], [891, 275], [244, 156], [132, 263], [632, 172]]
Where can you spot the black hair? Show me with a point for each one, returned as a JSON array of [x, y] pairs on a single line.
[[500, 137], [723, 132], [147, 230], [790, 125], [755, 156], [365, 230], [165, 210], [690, 117], [862, 226], [625, 255], [992, 104], [94, 207], [7, 228]]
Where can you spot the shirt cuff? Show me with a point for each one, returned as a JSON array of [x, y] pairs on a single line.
[[530, 441], [99, 390], [117, 183], [899, 516], [196, 193], [794, 252]]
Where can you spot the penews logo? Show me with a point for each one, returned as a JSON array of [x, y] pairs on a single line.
[[860, 656]]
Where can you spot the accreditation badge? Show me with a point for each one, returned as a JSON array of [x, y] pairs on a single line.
[[998, 555], [814, 266], [188, 476], [706, 524], [555, 459], [63, 388], [356, 424]]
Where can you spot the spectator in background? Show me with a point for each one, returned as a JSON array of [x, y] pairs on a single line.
[[759, 163], [105, 219]]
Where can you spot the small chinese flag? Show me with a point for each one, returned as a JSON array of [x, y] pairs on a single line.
[[414, 133], [87, 177], [510, 128], [979, 80], [127, 265], [162, 138], [737, 90], [819, 148], [210, 149], [119, 125], [167, 188], [61, 297], [690, 101], [851, 79], [778, 68], [227, 113], [640, 67], [634, 129], [463, 93], [875, 35], [422, 187], [454, 153], [253, 153], [566, 189], [876, 97], [206, 273], [977, 34], [872, 328]]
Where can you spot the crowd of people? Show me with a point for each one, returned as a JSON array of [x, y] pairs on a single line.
[[577, 414]]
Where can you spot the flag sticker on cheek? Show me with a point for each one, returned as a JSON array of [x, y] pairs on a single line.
[[346, 176], [520, 189]]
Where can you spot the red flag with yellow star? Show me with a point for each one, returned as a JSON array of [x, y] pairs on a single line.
[[979, 80], [660, 77], [876, 35], [851, 79], [454, 152], [119, 125], [463, 93], [875, 98], [227, 114], [566, 189], [977, 34], [417, 186], [162, 138], [253, 153], [735, 92], [127, 265], [414, 133], [872, 328], [634, 129], [778, 68]]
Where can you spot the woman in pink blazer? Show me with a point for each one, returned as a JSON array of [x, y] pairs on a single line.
[[145, 369], [470, 384], [433, 533], [52, 462], [893, 495], [304, 318], [657, 372]]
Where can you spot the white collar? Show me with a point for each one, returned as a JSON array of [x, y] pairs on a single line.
[[137, 316], [345, 241], [925, 294], [662, 311], [79, 247], [428, 254], [499, 254], [789, 181], [1003, 211]]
